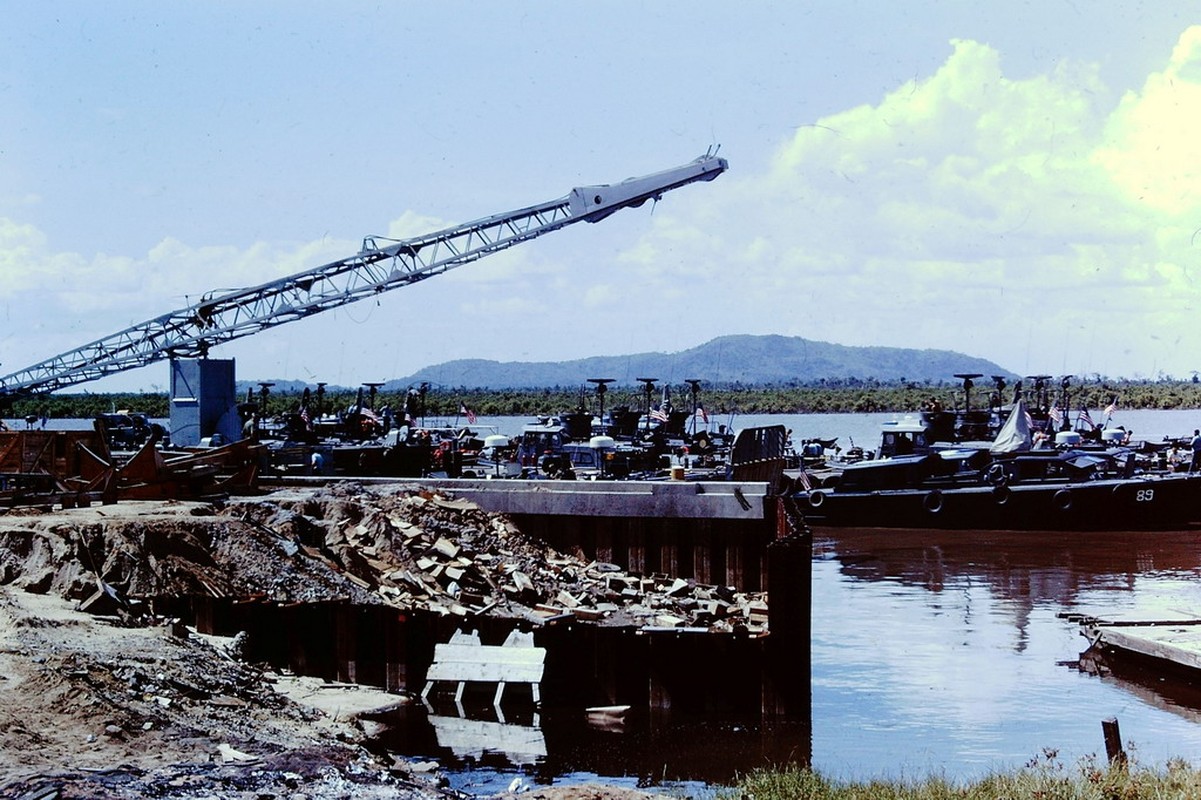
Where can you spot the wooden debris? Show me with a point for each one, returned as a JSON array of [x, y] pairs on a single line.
[[423, 551]]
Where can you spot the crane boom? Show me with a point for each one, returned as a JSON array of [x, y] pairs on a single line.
[[381, 265]]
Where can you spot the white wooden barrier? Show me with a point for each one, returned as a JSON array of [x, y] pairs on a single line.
[[464, 659]]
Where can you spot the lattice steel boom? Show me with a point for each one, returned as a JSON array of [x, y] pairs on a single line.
[[381, 265]]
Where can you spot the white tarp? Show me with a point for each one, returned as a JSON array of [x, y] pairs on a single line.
[[1014, 435]]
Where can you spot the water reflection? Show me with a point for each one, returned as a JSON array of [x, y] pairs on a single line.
[[944, 651], [932, 652], [1023, 568], [484, 750], [1175, 694]]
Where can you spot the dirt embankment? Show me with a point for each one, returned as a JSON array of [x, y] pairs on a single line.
[[120, 703]]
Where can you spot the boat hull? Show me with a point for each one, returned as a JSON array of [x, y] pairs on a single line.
[[1152, 502]]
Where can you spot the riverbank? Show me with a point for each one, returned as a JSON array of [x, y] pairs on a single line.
[[1043, 777]]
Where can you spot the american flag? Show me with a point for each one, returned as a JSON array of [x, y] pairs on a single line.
[[1112, 407], [658, 414], [700, 412], [305, 418], [467, 412], [1055, 414], [1086, 418]]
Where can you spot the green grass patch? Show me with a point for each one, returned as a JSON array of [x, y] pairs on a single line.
[[1044, 778]]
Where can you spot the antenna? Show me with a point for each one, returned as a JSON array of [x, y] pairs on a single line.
[[264, 391], [601, 388], [648, 388], [694, 385], [967, 378], [1040, 390], [998, 382], [373, 388]]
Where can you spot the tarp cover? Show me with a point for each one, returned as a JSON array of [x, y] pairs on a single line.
[[1014, 435]]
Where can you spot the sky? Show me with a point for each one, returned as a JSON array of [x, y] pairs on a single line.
[[1018, 181]]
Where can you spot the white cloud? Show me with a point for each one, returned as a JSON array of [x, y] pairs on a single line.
[[1153, 147], [21, 251], [1041, 222], [970, 211]]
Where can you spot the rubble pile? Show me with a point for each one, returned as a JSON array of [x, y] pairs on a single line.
[[117, 557], [422, 550], [414, 550], [91, 709], [127, 704]]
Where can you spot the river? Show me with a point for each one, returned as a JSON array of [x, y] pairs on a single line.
[[932, 652]]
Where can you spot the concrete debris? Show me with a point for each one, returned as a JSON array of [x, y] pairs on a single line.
[[421, 550]]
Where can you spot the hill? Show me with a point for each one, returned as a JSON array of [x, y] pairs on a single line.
[[742, 359]]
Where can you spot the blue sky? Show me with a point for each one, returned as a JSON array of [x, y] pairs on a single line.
[[1017, 181]]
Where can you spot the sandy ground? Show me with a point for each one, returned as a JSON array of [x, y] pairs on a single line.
[[103, 706]]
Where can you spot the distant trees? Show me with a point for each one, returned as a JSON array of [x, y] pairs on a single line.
[[825, 396]]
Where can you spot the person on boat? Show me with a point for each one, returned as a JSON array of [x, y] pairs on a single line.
[[1195, 444]]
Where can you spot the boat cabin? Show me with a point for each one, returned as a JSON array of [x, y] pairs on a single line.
[[544, 437], [497, 459], [1068, 466], [904, 437], [950, 466]]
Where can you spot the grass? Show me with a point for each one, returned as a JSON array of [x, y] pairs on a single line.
[[1044, 778]]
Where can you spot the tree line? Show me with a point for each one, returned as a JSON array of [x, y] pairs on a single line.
[[829, 396]]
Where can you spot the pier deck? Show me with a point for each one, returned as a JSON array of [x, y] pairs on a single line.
[[742, 500], [1170, 637]]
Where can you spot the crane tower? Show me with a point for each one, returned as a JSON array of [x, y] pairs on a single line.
[[186, 336]]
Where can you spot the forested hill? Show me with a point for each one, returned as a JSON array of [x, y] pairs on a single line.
[[725, 360]]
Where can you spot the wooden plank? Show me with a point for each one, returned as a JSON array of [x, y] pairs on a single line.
[[464, 659], [1178, 644], [454, 655], [483, 668], [1166, 616]]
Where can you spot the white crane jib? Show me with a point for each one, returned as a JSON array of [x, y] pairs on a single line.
[[381, 265]]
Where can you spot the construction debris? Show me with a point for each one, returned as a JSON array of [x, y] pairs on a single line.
[[428, 551], [123, 701], [413, 550], [76, 469]]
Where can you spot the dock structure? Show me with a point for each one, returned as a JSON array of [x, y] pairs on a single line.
[[1170, 638], [735, 500], [714, 532], [735, 534]]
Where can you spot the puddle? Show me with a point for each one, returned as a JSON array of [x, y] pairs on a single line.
[[484, 751]]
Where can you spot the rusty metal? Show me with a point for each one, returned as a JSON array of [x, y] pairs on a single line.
[[75, 468]]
